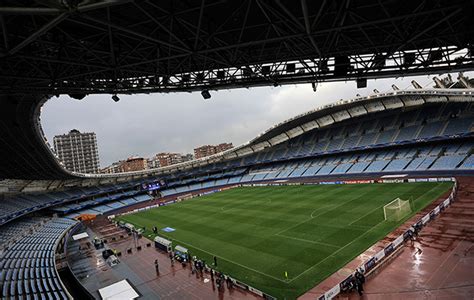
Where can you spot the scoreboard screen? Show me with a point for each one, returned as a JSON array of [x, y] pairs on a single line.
[[154, 185]]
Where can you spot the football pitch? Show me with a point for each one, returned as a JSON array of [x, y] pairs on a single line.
[[308, 231]]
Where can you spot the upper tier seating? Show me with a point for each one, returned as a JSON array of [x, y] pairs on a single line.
[[382, 130], [323, 148]]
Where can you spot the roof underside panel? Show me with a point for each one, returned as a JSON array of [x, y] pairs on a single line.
[[392, 103], [84, 47]]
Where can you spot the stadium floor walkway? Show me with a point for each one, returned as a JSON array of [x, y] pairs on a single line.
[[173, 282], [439, 265]]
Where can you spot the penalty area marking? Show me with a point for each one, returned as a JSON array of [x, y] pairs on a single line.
[[317, 264], [331, 207], [327, 257], [382, 222], [379, 207]]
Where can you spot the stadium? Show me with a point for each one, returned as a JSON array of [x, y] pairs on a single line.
[[378, 186]]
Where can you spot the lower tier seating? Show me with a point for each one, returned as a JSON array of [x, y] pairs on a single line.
[[27, 266]]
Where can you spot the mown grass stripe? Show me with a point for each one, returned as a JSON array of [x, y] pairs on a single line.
[[310, 231]]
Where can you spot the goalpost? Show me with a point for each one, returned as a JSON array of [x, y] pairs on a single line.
[[396, 209]]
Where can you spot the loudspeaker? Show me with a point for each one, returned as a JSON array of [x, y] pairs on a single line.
[[290, 68], [341, 65], [361, 83], [409, 58], [205, 94]]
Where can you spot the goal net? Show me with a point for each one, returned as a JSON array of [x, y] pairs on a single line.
[[396, 209]]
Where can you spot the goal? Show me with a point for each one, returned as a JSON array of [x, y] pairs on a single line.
[[396, 209]]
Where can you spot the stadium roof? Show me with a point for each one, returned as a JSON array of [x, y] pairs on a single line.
[[124, 46], [76, 47], [35, 160]]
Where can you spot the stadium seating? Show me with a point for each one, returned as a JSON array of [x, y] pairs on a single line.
[[458, 126], [397, 164], [468, 164], [101, 207], [424, 139], [18, 205], [447, 156], [447, 162], [431, 129], [28, 265], [378, 143], [403, 127]]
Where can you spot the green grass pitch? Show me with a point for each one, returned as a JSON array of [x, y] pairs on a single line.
[[309, 231]]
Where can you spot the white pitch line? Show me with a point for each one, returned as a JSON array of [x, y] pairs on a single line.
[[351, 223], [248, 268], [332, 208], [308, 241], [350, 242], [335, 252], [311, 216], [345, 226], [385, 204]]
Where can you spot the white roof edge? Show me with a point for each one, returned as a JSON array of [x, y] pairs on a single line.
[[221, 156]]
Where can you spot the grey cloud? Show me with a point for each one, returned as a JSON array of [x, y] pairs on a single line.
[[147, 124]]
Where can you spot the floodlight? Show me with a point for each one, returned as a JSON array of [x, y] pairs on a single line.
[[77, 96], [416, 85]]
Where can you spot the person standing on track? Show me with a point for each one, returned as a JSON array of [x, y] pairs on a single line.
[[157, 268], [360, 280]]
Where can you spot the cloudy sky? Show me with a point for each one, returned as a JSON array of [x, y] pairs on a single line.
[[142, 125]]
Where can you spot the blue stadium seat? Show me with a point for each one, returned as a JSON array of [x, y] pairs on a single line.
[[458, 126], [447, 162], [468, 164], [426, 163], [376, 166], [30, 260]]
